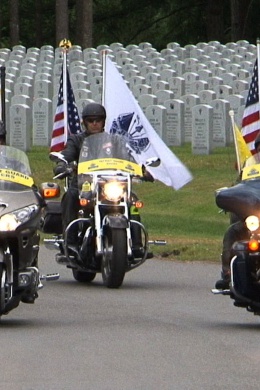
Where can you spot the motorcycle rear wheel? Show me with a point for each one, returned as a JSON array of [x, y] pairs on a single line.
[[114, 259], [83, 277]]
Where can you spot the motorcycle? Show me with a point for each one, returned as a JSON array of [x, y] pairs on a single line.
[[243, 200], [106, 223], [20, 213]]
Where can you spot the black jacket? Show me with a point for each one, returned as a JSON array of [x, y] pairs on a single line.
[[71, 153]]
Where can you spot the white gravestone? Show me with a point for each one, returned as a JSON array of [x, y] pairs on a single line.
[[43, 89], [146, 100], [177, 86], [190, 101], [174, 122], [202, 134], [21, 125], [156, 115], [221, 123], [163, 95], [42, 121], [206, 96], [141, 89]]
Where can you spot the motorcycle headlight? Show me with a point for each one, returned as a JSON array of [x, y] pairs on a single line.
[[113, 191], [9, 222], [252, 223]]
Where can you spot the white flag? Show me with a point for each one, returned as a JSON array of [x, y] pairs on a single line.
[[125, 117]]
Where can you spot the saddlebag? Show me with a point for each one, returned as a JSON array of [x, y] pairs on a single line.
[[51, 221], [244, 283]]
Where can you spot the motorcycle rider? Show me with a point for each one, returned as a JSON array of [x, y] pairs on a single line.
[[237, 231], [93, 118]]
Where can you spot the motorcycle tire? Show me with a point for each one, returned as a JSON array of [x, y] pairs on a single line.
[[83, 277], [114, 258], [3, 291]]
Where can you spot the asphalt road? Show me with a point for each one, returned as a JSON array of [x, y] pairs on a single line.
[[163, 329]]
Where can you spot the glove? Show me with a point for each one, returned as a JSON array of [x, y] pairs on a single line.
[[59, 168], [146, 175]]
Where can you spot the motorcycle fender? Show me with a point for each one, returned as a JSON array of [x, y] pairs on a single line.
[[116, 221]]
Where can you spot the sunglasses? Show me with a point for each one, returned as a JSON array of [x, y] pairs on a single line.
[[92, 120]]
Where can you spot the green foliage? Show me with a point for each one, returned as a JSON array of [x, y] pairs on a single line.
[[128, 21], [187, 219]]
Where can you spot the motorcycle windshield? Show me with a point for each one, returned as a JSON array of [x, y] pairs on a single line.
[[15, 172], [243, 198], [105, 151], [251, 169]]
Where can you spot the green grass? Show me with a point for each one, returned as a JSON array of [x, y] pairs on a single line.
[[187, 219]]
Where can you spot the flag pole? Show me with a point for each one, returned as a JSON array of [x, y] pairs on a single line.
[[258, 62], [258, 56], [232, 115], [65, 44], [103, 97], [3, 116]]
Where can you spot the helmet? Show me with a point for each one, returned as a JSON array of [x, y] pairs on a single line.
[[94, 109]]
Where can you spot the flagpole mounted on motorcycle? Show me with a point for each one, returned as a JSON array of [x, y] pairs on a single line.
[[3, 116], [108, 207]]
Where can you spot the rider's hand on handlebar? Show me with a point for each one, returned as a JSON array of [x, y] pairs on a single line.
[[146, 175], [62, 170]]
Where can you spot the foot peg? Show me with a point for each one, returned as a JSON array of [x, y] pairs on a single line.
[[222, 292], [50, 277]]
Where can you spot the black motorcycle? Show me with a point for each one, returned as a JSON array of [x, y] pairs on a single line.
[[20, 213], [106, 223], [243, 201]]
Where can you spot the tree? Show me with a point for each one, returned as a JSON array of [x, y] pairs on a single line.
[[84, 22], [14, 22], [239, 16], [62, 20], [215, 20], [38, 23], [88, 23]]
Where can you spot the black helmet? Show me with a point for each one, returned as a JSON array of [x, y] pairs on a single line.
[[94, 109]]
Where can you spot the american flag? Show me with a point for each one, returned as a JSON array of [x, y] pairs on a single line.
[[66, 119], [251, 119]]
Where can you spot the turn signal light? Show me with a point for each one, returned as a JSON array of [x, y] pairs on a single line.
[[139, 204], [253, 245], [51, 192], [83, 201]]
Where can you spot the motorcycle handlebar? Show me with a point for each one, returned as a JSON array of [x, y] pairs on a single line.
[[64, 174]]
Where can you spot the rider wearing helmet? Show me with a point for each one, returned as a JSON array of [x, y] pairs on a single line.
[[93, 121]]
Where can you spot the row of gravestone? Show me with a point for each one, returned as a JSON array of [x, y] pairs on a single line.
[[204, 126], [191, 70], [161, 77], [41, 107]]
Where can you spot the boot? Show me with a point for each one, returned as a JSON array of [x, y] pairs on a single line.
[[224, 282]]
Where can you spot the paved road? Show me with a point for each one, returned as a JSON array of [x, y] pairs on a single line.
[[162, 330]]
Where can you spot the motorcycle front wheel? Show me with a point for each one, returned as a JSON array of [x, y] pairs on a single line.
[[3, 289], [83, 277], [114, 258]]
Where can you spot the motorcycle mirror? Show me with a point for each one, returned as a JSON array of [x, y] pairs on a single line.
[[54, 156], [153, 162]]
